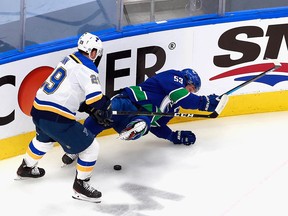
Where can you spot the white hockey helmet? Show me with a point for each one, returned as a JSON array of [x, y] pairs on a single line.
[[87, 42]]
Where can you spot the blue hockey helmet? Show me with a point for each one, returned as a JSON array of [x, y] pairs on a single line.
[[191, 77]]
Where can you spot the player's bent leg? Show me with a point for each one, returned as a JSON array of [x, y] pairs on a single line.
[[77, 139], [94, 128], [85, 165]]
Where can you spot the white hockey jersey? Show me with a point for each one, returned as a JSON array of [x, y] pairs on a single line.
[[73, 81]]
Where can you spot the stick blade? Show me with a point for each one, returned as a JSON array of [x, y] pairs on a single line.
[[222, 103]]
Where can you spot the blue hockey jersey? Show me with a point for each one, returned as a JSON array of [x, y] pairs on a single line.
[[164, 92]]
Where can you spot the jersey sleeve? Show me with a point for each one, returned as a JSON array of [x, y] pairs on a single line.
[[191, 101], [90, 83]]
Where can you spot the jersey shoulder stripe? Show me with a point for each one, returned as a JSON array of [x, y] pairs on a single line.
[[178, 94], [138, 93], [82, 60], [77, 60]]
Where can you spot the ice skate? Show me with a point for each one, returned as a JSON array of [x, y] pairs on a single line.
[[134, 130], [25, 172], [84, 191], [68, 159]]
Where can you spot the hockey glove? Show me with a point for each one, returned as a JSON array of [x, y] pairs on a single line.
[[209, 103], [84, 108], [104, 114], [103, 117], [182, 137], [100, 111]]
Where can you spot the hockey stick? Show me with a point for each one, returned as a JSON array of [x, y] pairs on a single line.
[[221, 105]]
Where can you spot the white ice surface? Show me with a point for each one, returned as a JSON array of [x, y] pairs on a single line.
[[237, 167]]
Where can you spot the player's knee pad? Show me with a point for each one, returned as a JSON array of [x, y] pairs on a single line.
[[91, 153], [87, 160]]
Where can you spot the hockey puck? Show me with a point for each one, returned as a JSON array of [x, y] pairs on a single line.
[[117, 167]]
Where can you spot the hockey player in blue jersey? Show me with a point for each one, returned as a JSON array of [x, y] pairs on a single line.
[[74, 80], [165, 92]]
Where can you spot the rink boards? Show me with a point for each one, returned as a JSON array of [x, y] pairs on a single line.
[[235, 52]]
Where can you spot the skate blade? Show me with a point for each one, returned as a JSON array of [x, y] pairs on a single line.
[[87, 199], [65, 165], [19, 178]]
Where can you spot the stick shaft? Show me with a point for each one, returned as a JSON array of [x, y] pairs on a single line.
[[188, 115], [276, 66], [222, 103]]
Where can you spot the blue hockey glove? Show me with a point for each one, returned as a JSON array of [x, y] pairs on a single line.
[[209, 103], [182, 137]]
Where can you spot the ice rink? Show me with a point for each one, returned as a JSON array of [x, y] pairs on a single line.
[[238, 166]]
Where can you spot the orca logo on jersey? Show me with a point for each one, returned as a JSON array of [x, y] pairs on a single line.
[[234, 40]]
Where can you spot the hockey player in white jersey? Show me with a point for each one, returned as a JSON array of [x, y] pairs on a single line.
[[74, 81]]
